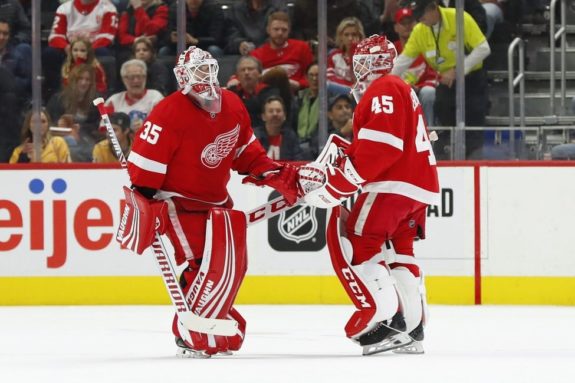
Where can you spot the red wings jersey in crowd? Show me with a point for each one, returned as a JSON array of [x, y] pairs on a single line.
[[98, 22], [295, 56], [391, 148], [184, 150]]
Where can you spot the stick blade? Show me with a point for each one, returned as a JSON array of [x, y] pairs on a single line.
[[193, 322]]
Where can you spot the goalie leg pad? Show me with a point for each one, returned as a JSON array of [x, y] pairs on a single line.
[[369, 285], [214, 286], [410, 284]]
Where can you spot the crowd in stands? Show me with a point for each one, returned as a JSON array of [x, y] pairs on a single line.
[[93, 43]]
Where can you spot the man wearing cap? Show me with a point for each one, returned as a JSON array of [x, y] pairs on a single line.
[[103, 150], [435, 37], [419, 75], [340, 116]]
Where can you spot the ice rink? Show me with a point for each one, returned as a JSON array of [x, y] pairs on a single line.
[[120, 344]]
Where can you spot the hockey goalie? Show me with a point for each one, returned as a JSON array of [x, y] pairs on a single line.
[[371, 247], [179, 168]]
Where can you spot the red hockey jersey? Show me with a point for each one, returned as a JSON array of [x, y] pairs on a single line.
[[391, 148], [295, 56], [187, 152]]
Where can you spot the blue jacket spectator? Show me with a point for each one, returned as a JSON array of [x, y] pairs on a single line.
[[13, 13], [280, 141], [17, 61]]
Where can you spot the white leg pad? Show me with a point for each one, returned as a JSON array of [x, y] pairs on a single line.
[[412, 296], [381, 286]]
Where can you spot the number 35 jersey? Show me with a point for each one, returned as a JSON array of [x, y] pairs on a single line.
[[391, 149], [187, 152]]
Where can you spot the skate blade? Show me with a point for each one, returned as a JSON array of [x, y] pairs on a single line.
[[391, 343], [415, 347], [186, 353]]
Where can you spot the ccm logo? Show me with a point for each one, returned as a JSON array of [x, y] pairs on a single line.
[[354, 287], [266, 210]]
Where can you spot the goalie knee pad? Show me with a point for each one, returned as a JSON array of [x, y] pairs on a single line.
[[212, 288], [369, 285]]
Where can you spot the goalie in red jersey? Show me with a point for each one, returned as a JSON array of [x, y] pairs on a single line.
[[179, 167], [371, 247]]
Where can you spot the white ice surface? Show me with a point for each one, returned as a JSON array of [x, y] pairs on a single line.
[[464, 344]]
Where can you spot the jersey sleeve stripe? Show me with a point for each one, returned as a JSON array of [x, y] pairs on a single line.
[[107, 36], [403, 188], [240, 150], [147, 164], [383, 137]]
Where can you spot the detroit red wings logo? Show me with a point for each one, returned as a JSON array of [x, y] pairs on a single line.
[[215, 152]]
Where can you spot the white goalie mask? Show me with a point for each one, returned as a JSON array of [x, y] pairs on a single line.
[[197, 75], [373, 57]]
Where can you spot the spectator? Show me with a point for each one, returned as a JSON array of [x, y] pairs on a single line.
[[308, 114], [16, 62], [205, 27], [136, 101], [493, 15], [434, 37], [95, 20], [248, 24], [294, 56], [340, 78], [79, 144], [251, 89], [54, 149], [142, 18], [76, 99], [9, 112], [104, 151], [14, 14], [280, 141], [158, 77], [340, 116], [420, 75], [305, 17], [81, 52]]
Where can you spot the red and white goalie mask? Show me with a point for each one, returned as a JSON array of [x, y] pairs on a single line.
[[373, 57], [197, 75]]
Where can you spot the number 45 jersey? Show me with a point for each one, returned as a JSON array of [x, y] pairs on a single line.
[[187, 152], [391, 149]]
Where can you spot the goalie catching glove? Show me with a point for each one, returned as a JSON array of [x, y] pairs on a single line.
[[284, 179], [327, 185], [141, 219]]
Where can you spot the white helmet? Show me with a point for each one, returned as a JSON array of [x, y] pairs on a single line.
[[197, 75], [373, 57]]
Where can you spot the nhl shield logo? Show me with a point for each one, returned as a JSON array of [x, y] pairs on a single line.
[[301, 228], [298, 224]]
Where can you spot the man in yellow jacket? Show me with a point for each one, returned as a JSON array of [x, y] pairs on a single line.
[[435, 38]]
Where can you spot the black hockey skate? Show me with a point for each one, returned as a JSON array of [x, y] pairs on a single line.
[[415, 347], [386, 335], [186, 352]]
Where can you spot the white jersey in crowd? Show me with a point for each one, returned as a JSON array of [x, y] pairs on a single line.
[[138, 110]]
